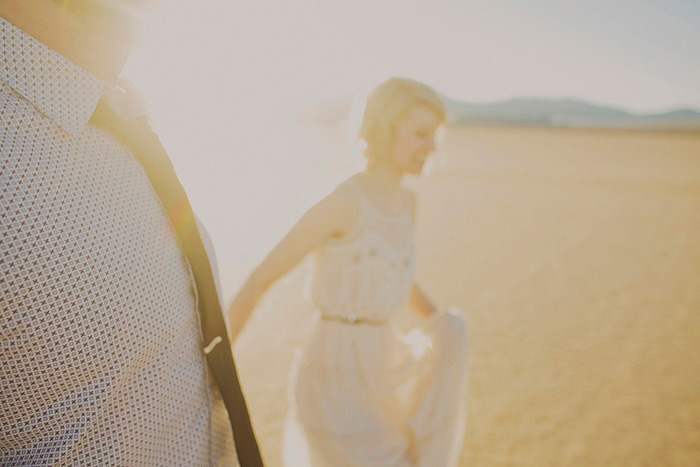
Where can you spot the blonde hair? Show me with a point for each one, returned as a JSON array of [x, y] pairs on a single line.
[[386, 105]]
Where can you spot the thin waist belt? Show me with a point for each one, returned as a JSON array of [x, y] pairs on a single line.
[[352, 319]]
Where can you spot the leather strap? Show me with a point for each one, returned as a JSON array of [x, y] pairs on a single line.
[[148, 150]]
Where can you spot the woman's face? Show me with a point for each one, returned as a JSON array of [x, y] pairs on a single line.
[[414, 140]]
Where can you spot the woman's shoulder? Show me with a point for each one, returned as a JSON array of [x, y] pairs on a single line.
[[346, 194], [341, 207], [352, 189]]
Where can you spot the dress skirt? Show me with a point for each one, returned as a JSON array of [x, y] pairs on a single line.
[[364, 394]]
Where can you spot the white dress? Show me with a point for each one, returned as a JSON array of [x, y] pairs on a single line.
[[361, 393]]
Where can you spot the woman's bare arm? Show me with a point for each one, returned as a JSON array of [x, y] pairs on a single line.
[[330, 217], [417, 300]]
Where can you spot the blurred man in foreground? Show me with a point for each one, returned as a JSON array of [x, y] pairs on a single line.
[[113, 350]]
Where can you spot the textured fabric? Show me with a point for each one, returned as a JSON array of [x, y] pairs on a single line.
[[361, 393], [101, 358], [367, 274], [58, 89], [145, 145]]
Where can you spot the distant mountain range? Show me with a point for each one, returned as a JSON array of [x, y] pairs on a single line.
[[566, 112], [534, 112]]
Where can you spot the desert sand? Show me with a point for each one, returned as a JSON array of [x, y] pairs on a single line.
[[575, 257]]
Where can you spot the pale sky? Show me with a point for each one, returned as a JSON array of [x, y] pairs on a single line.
[[223, 76], [642, 55]]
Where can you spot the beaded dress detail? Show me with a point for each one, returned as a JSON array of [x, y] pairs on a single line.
[[369, 276]]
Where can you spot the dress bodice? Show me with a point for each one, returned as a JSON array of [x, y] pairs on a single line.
[[367, 274]]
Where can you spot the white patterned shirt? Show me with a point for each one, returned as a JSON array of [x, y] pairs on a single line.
[[101, 358]]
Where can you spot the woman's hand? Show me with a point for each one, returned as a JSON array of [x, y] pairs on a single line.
[[419, 303]]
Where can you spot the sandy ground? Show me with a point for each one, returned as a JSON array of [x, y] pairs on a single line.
[[575, 255]]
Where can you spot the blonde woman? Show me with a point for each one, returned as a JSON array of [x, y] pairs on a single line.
[[360, 393]]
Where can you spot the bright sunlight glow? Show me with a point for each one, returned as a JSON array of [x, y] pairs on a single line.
[[224, 79]]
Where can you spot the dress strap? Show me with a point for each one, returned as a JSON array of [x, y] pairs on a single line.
[[358, 227], [366, 204]]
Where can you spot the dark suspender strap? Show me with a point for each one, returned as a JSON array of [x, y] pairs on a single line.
[[148, 150]]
